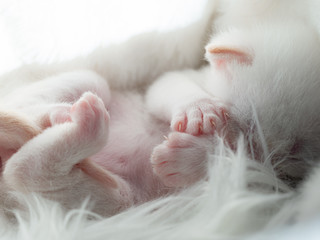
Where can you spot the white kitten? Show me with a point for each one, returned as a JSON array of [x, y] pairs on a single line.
[[76, 150], [262, 82], [267, 78]]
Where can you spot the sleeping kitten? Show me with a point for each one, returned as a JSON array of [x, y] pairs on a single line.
[[262, 83], [77, 149], [86, 150], [267, 79]]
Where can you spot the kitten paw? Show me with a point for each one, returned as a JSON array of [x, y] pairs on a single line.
[[181, 160], [205, 116], [91, 116]]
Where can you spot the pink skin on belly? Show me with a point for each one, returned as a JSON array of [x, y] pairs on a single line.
[[132, 138]]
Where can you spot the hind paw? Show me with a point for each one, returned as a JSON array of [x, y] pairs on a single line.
[[181, 160]]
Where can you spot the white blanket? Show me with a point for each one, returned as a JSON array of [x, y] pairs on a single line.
[[241, 200]]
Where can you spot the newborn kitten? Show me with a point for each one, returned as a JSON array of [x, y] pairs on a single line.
[[79, 148], [262, 83], [268, 80], [85, 150]]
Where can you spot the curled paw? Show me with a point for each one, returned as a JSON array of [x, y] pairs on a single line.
[[205, 116], [181, 160]]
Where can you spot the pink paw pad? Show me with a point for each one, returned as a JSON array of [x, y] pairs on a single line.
[[205, 116], [180, 160]]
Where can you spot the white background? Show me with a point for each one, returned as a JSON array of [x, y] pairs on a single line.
[[51, 30]]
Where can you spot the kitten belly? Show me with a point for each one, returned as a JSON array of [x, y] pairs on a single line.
[[133, 134]]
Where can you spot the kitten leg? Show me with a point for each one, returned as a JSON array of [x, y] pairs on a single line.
[[132, 63], [55, 163], [181, 160], [53, 97], [54, 152], [186, 104], [66, 87]]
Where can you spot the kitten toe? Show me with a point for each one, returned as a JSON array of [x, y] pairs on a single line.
[[201, 117]]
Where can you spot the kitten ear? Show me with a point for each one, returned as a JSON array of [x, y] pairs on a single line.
[[221, 56]]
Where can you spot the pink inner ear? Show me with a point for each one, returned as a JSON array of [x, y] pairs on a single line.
[[220, 56]]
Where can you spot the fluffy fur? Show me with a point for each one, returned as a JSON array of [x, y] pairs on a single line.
[[237, 188]]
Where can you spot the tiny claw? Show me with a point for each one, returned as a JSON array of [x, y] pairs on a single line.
[[226, 116], [164, 162], [213, 123], [200, 128], [172, 174], [180, 127], [165, 137]]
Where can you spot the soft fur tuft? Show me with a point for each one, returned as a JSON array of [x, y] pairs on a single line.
[[240, 198]]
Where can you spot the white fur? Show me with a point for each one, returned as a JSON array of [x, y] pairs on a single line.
[[241, 197], [216, 208]]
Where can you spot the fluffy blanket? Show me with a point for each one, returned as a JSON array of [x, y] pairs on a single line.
[[241, 199]]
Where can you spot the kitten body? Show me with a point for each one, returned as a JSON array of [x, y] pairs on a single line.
[[262, 82], [267, 78], [79, 149]]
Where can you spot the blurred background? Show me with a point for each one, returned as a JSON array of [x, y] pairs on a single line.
[[53, 30]]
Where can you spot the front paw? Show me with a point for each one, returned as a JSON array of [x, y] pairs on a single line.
[[205, 116]]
